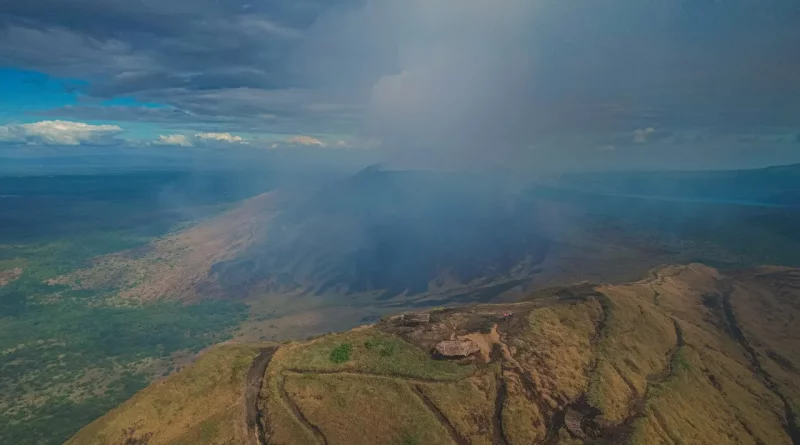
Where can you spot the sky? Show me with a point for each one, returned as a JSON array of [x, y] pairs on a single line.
[[539, 84]]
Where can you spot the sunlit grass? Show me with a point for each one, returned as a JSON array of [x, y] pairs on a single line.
[[366, 356]]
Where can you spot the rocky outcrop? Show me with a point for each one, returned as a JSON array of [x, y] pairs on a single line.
[[572, 420], [456, 348], [413, 318]]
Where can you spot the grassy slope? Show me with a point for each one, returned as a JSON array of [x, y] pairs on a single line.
[[400, 359], [708, 393], [636, 343], [371, 352], [766, 311], [468, 404], [656, 357], [557, 347], [202, 404], [522, 419], [336, 404]]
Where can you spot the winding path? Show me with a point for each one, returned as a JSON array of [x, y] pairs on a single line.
[[443, 420], [256, 431], [299, 414]]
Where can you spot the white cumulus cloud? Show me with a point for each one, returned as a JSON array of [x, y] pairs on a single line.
[[59, 133], [173, 139], [222, 137], [641, 135], [306, 140]]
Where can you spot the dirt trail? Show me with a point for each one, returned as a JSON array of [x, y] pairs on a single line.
[[509, 364], [443, 420], [499, 435], [414, 384], [299, 414], [252, 392], [558, 419], [595, 432], [638, 403], [656, 295], [668, 371]]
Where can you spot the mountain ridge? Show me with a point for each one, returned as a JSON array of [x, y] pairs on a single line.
[[689, 354]]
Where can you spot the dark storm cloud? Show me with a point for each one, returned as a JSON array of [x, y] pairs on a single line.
[[488, 80], [478, 79], [157, 43], [165, 49], [209, 61]]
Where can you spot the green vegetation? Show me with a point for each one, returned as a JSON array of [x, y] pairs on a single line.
[[341, 353], [11, 263], [680, 361], [384, 348], [68, 356], [410, 440], [75, 355], [385, 355]]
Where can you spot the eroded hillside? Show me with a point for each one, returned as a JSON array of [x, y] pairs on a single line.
[[689, 355]]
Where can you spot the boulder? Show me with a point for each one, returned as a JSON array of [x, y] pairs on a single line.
[[573, 419]]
